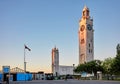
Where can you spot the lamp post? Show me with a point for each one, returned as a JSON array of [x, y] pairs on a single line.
[[24, 62]]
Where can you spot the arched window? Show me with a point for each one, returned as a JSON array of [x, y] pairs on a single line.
[[83, 13]]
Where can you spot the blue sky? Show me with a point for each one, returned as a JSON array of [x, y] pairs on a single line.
[[43, 24]]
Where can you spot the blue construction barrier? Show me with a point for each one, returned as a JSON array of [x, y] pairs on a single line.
[[0, 76], [24, 76], [19, 77]]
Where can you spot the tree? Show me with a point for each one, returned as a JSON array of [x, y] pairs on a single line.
[[116, 64], [118, 49], [89, 67], [95, 66], [80, 68], [107, 65]]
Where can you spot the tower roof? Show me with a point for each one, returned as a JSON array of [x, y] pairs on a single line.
[[85, 8], [54, 49]]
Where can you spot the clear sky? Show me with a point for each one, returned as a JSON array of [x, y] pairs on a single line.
[[44, 24]]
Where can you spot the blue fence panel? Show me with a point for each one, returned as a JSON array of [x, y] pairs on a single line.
[[1, 76], [24, 76], [20, 76], [28, 76]]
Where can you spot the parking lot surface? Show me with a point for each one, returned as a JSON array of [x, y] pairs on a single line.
[[66, 82]]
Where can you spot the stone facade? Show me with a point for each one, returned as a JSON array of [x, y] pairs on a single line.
[[86, 37]]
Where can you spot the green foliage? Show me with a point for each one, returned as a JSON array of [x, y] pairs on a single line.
[[92, 66], [116, 65], [80, 68], [107, 65], [112, 65]]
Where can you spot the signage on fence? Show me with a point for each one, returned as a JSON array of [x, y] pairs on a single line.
[[6, 69]]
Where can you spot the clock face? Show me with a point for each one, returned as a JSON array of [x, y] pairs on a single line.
[[82, 28], [89, 27]]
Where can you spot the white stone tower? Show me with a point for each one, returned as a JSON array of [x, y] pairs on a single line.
[[86, 37], [55, 61]]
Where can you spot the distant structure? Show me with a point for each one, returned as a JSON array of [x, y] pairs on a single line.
[[86, 37], [59, 69], [55, 61]]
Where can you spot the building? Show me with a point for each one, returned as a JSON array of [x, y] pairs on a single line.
[[55, 61], [86, 37], [66, 70], [59, 69]]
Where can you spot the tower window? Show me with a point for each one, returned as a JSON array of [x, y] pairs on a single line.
[[89, 44], [89, 50]]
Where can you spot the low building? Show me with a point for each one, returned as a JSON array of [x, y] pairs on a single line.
[[66, 70]]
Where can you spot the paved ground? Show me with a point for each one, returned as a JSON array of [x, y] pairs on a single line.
[[66, 82]]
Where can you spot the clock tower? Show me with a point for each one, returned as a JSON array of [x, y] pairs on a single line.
[[86, 37]]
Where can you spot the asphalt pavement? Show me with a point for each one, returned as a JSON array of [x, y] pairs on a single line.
[[66, 82]]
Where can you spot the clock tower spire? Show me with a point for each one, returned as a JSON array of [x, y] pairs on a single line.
[[85, 13], [86, 37]]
